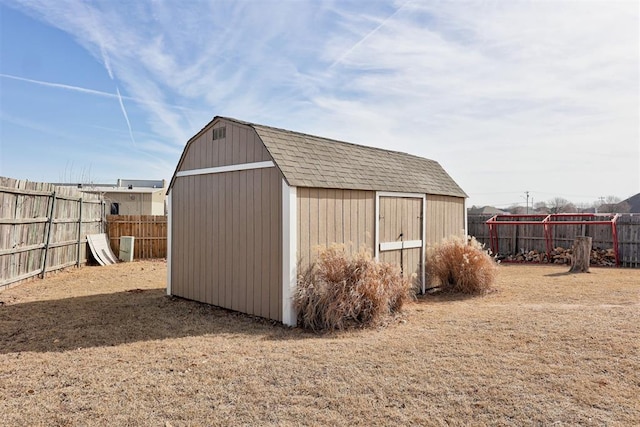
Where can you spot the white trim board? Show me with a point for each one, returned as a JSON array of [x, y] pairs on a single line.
[[228, 168], [169, 228], [376, 230], [405, 195], [394, 246], [423, 252], [466, 218], [289, 253]]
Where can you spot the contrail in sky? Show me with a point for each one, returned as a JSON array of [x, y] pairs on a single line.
[[61, 86], [362, 40], [126, 117], [87, 91], [83, 90], [105, 59], [107, 66]]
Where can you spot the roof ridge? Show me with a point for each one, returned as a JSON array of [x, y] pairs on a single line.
[[308, 160], [366, 147]]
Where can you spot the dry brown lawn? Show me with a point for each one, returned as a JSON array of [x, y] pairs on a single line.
[[105, 346]]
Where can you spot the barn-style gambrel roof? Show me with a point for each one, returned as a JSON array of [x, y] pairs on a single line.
[[313, 161]]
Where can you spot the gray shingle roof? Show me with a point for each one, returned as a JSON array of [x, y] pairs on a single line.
[[312, 161], [634, 203]]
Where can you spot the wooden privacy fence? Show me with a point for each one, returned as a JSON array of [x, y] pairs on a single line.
[[150, 232], [44, 228], [519, 238]]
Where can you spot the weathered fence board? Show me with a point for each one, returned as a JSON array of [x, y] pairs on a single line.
[[150, 232], [518, 238], [629, 240], [43, 228]]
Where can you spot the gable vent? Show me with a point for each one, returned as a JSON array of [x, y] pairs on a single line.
[[219, 133]]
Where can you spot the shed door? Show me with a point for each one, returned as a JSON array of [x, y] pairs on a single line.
[[400, 231]]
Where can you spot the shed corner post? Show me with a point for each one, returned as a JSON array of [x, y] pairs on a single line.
[[466, 217], [423, 249], [169, 227], [376, 231], [289, 252]]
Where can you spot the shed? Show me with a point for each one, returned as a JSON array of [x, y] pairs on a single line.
[[248, 204]]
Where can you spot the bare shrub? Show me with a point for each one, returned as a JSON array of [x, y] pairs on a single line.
[[461, 266], [340, 291]]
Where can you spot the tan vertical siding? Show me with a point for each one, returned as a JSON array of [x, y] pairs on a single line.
[[338, 222], [322, 218], [199, 218], [445, 217], [370, 222], [241, 145], [327, 216], [353, 217], [226, 235], [257, 243], [330, 233], [313, 226], [275, 255], [303, 210], [215, 257], [248, 242]]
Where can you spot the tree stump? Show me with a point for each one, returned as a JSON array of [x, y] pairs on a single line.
[[581, 255]]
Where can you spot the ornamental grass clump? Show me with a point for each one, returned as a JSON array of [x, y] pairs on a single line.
[[342, 291], [461, 266]]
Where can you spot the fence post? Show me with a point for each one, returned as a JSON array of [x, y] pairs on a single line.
[[48, 238], [79, 232], [13, 267], [103, 216]]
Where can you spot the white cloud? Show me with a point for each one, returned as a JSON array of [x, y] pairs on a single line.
[[542, 88], [545, 92]]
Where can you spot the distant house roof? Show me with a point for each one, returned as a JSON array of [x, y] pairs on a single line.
[[634, 203], [313, 161], [121, 186], [114, 189], [485, 210], [151, 183]]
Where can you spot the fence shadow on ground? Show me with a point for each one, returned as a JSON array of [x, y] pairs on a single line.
[[120, 318], [443, 296]]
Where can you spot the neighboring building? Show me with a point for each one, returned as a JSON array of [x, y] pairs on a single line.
[[632, 204], [130, 196], [485, 210], [249, 204]]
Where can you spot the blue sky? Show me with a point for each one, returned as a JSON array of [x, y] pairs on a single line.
[[508, 96]]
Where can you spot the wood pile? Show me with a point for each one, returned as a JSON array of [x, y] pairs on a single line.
[[599, 257]]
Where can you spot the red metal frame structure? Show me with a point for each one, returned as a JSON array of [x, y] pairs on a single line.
[[548, 221]]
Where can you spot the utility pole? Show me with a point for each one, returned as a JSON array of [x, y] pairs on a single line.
[[527, 193]]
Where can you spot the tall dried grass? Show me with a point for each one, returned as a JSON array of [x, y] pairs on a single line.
[[342, 291], [461, 266]]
